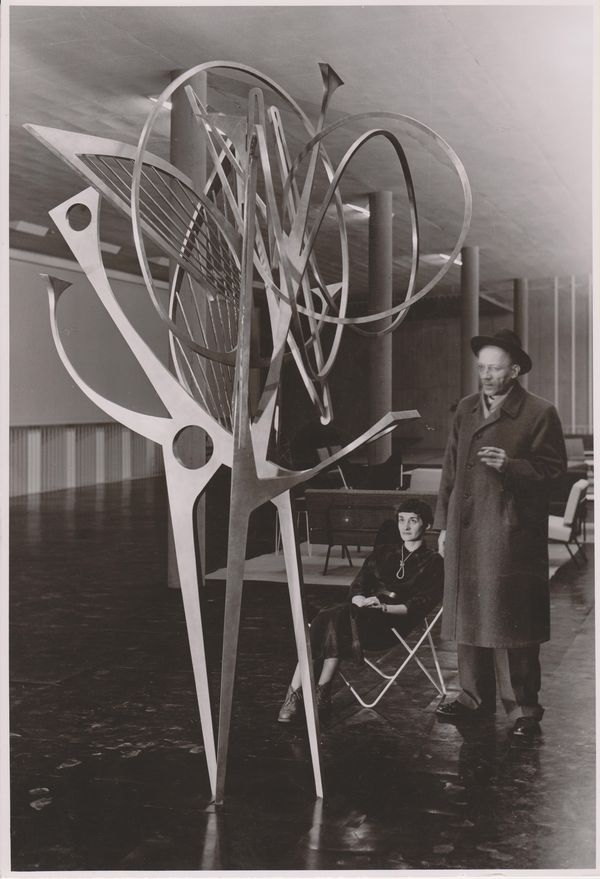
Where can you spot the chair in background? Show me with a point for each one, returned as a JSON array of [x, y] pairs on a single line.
[[575, 453], [426, 479], [300, 514], [339, 527], [336, 471], [567, 528], [390, 679]]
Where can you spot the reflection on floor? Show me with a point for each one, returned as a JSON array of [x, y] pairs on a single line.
[[107, 768]]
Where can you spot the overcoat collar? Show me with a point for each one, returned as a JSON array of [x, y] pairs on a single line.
[[511, 404]]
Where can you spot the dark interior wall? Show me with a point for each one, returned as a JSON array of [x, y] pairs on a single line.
[[426, 367], [348, 384], [427, 374]]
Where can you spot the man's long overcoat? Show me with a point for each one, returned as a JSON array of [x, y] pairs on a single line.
[[496, 591]]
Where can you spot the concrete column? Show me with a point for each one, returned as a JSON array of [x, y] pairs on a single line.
[[380, 299], [521, 315], [188, 153], [469, 319]]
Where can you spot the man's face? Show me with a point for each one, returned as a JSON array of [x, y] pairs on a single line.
[[496, 370]]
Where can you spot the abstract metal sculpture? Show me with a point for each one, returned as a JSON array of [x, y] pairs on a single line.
[[249, 224]]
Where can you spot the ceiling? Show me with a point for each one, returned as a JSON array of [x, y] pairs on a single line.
[[508, 87]]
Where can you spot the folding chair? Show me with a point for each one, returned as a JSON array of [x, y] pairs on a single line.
[[412, 654], [566, 529]]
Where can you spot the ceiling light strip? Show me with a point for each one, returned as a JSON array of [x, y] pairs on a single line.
[[28, 228], [56, 262]]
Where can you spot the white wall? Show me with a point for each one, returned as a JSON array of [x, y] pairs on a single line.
[[41, 391]]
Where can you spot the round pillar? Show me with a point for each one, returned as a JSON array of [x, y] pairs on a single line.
[[469, 319], [380, 299], [521, 315]]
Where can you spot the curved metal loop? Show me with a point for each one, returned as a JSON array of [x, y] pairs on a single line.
[[141, 149], [458, 167], [330, 81], [349, 155]]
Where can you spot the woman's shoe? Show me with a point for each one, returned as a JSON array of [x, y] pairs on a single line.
[[291, 706]]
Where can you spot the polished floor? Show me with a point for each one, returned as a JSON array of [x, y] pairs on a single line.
[[108, 771]]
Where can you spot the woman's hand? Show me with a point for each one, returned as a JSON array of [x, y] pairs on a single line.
[[363, 601]]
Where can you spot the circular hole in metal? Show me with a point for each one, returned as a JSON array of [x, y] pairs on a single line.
[[190, 447], [79, 217]]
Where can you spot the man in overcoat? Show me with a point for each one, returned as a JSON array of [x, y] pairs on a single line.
[[505, 448]]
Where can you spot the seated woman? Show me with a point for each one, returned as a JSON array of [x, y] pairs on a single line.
[[398, 584]]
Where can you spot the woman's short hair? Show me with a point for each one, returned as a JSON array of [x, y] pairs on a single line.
[[414, 505]]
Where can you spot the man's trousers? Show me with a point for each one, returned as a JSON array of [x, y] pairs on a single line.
[[514, 671]]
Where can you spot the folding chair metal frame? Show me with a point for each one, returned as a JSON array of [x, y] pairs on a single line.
[[566, 530], [412, 651]]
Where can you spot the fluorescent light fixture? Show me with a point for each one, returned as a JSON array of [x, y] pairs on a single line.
[[430, 259], [356, 207], [168, 105], [159, 260], [28, 228], [110, 248]]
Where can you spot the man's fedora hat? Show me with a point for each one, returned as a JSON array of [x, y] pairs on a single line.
[[508, 341]]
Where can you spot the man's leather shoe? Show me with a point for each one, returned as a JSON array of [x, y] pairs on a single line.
[[526, 728], [457, 711]]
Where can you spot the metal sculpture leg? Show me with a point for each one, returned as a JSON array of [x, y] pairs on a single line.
[[236, 555], [294, 574], [184, 527]]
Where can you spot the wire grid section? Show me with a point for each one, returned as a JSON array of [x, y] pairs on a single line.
[[204, 290]]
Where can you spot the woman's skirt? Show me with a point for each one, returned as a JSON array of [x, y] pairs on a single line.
[[344, 631]]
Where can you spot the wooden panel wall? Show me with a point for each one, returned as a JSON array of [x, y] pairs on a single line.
[[560, 347]]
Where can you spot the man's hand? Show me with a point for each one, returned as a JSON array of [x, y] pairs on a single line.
[[442, 543], [493, 457]]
